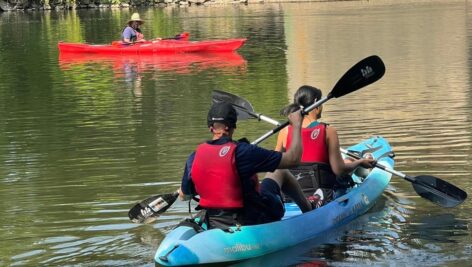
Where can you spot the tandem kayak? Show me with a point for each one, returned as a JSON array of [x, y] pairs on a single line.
[[162, 46], [184, 246]]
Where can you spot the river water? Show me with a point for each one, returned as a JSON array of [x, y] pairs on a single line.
[[83, 139]]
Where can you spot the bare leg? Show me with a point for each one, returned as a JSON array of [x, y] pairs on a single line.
[[290, 187]]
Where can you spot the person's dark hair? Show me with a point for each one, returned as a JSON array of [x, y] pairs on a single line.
[[289, 109], [307, 95], [134, 24]]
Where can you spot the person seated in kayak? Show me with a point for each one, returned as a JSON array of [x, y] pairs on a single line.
[[323, 174], [132, 32], [223, 172]]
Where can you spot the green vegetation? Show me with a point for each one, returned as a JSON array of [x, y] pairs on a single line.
[[10, 5]]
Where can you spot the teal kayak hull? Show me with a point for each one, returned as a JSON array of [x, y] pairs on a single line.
[[183, 246]]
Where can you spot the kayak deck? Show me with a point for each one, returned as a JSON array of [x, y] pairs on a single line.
[[183, 246]]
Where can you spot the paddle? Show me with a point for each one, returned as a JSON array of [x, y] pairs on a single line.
[[180, 36], [365, 72], [242, 106], [361, 74], [149, 209], [429, 187]]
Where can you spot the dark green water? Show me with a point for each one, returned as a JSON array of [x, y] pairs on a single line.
[[82, 140]]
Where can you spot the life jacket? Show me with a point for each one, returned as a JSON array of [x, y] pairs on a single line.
[[215, 176], [315, 171], [134, 36], [314, 144]]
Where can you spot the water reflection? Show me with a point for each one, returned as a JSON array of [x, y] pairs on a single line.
[[182, 63], [439, 228], [130, 68]]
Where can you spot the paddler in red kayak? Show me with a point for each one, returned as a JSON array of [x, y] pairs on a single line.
[[323, 174], [132, 33], [223, 172]]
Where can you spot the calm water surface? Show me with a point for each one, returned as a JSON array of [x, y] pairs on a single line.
[[81, 140]]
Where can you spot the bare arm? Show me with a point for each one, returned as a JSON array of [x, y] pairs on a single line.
[[183, 196], [292, 157], [281, 140], [338, 165]]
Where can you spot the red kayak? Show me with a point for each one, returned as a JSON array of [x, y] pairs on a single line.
[[151, 47]]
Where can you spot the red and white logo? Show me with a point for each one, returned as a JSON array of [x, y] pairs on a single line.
[[224, 151], [315, 134]]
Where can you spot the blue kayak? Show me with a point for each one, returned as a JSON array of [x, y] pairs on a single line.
[[184, 246]]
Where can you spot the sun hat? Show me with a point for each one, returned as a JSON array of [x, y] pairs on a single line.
[[135, 17], [222, 112]]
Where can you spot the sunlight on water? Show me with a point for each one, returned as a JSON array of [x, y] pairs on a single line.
[[85, 138]]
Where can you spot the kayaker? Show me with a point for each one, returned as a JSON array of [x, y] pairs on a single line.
[[223, 173], [132, 32], [323, 174]]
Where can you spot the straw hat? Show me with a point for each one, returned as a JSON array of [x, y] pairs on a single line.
[[135, 17]]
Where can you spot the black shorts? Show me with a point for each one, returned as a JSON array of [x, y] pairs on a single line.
[[265, 207]]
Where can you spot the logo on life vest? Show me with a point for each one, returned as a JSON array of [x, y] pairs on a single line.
[[224, 151], [315, 134]]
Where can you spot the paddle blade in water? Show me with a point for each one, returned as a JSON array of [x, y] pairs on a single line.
[[149, 209], [365, 72], [242, 106], [438, 191]]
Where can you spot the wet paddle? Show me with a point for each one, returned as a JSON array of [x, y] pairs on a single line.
[[180, 36], [361, 74], [149, 209], [242, 106], [429, 187]]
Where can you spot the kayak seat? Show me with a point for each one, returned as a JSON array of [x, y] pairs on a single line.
[[192, 223], [207, 219]]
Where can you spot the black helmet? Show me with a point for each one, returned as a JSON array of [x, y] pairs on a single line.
[[222, 112]]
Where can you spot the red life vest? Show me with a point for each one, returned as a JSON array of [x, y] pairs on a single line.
[[314, 144], [215, 176]]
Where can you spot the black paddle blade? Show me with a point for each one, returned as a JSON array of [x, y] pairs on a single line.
[[242, 106], [365, 72], [438, 191], [149, 209]]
